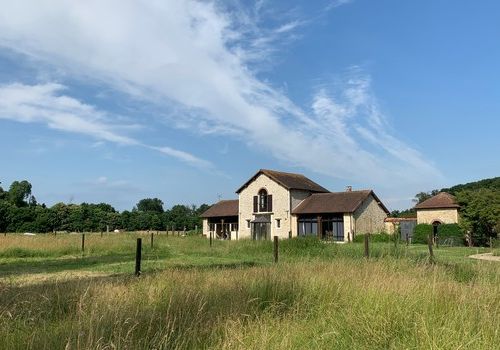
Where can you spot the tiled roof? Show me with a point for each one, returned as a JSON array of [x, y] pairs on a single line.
[[290, 181], [335, 202], [222, 208], [442, 200], [399, 219]]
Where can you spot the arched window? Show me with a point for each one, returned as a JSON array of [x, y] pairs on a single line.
[[263, 200]]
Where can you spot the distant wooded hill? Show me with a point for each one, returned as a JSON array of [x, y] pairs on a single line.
[[490, 184]]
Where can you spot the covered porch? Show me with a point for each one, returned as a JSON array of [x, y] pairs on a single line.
[[224, 227], [220, 221]]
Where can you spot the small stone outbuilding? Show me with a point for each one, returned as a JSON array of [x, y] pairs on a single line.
[[440, 209]]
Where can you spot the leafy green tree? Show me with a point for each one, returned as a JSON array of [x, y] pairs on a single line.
[[150, 205], [3, 194], [20, 193], [422, 196], [480, 212]]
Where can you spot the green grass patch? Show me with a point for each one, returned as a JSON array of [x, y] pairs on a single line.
[[232, 296]]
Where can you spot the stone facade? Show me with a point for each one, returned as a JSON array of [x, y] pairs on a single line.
[[369, 217], [444, 216], [281, 206]]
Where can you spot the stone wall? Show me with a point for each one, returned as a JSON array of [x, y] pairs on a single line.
[[369, 217], [445, 216]]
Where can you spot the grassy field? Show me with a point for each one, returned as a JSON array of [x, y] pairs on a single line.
[[232, 296]]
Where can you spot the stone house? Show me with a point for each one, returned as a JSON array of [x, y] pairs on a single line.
[[273, 203], [440, 209]]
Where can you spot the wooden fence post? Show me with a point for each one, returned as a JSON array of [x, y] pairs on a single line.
[[138, 257], [407, 241], [211, 238], [276, 249], [83, 242], [431, 251], [151, 240], [367, 246]]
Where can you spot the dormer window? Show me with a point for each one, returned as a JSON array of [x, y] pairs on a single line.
[[263, 202]]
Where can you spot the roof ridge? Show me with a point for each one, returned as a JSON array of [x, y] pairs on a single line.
[[338, 192], [282, 172]]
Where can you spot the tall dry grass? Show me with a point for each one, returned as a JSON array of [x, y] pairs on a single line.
[[343, 303]]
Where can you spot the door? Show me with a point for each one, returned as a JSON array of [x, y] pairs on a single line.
[[261, 230]]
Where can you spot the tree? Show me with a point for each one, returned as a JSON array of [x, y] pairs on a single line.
[[3, 194], [422, 196], [480, 213], [150, 205], [20, 193]]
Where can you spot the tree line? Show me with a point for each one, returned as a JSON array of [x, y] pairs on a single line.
[[20, 212]]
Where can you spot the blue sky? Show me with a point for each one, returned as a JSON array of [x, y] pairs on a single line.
[[114, 101]]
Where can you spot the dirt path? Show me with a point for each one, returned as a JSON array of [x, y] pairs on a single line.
[[485, 256]]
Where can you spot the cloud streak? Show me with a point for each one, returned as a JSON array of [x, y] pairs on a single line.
[[45, 104], [199, 60]]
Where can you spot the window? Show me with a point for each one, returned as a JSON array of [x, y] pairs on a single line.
[[211, 227], [248, 223], [278, 223], [333, 228], [308, 227], [263, 202]]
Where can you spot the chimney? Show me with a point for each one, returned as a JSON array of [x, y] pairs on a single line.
[[348, 189]]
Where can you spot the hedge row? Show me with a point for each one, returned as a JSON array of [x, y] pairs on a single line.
[[422, 232]]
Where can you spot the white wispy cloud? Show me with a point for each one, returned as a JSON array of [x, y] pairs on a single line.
[[336, 3], [199, 60], [45, 104]]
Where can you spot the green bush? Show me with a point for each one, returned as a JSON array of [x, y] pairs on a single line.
[[451, 232], [381, 237], [421, 233]]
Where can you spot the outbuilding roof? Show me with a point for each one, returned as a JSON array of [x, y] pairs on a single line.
[[222, 208], [335, 202], [290, 181], [442, 200]]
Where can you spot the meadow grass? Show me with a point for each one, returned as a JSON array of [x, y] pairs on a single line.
[[231, 295]]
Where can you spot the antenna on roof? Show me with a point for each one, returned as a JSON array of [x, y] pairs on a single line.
[[219, 197]]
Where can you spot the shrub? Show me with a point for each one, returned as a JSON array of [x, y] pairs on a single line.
[[447, 232], [421, 233]]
